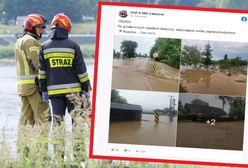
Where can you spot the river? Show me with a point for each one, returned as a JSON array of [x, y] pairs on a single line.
[[10, 103]]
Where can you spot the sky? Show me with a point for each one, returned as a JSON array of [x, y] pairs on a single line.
[[212, 100], [144, 43], [147, 99], [220, 48]]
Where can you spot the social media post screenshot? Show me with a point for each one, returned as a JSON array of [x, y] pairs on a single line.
[[170, 85]]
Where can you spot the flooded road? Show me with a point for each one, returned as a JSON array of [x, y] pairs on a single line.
[[210, 82], [138, 74], [222, 135], [145, 132], [10, 103]]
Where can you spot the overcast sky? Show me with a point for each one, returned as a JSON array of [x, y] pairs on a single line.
[[212, 100], [144, 43], [147, 99], [232, 49]]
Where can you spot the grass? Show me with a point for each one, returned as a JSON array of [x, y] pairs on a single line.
[[10, 29], [77, 28], [88, 50], [33, 142], [84, 28], [8, 51]]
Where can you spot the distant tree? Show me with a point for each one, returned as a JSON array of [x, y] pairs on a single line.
[[238, 4], [237, 108], [199, 102], [10, 9], [191, 55], [181, 110], [167, 2], [225, 57], [152, 51], [128, 48], [207, 53], [207, 3], [89, 8], [115, 97], [75, 9], [224, 100], [116, 54]]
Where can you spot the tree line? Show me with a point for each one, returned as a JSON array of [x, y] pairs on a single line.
[[167, 49], [236, 110], [75, 9], [192, 56]]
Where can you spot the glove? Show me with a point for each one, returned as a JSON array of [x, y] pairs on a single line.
[[86, 94], [45, 97], [86, 86]]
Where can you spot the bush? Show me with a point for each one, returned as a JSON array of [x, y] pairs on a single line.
[[7, 51]]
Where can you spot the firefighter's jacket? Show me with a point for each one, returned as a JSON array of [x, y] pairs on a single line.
[[27, 50], [62, 68]]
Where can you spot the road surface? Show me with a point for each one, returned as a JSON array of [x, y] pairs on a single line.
[[139, 74]]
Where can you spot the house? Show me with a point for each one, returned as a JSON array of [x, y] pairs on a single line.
[[125, 112], [198, 112]]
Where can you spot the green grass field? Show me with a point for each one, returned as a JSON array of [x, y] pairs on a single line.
[[77, 28], [8, 51]]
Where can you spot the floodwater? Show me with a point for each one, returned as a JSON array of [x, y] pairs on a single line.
[[145, 132], [138, 74], [222, 135], [213, 82], [10, 103]]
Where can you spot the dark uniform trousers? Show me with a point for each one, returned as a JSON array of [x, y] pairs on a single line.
[[61, 103]]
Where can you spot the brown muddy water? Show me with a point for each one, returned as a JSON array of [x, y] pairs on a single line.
[[222, 135], [213, 82], [137, 74], [145, 132]]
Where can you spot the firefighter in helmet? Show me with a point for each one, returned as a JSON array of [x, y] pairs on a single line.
[[33, 109], [62, 68]]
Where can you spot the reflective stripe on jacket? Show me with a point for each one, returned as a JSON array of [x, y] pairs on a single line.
[[62, 68], [27, 59]]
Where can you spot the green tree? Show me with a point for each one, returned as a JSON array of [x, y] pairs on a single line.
[[168, 51], [152, 51], [181, 110], [237, 108], [207, 53], [89, 8], [167, 2], [237, 4], [191, 55], [75, 9], [115, 97], [128, 48]]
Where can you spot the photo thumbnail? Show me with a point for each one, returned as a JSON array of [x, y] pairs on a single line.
[[143, 118], [146, 63], [213, 67], [210, 121]]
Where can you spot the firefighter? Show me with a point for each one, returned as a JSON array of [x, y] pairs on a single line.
[[33, 109], [62, 69]]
